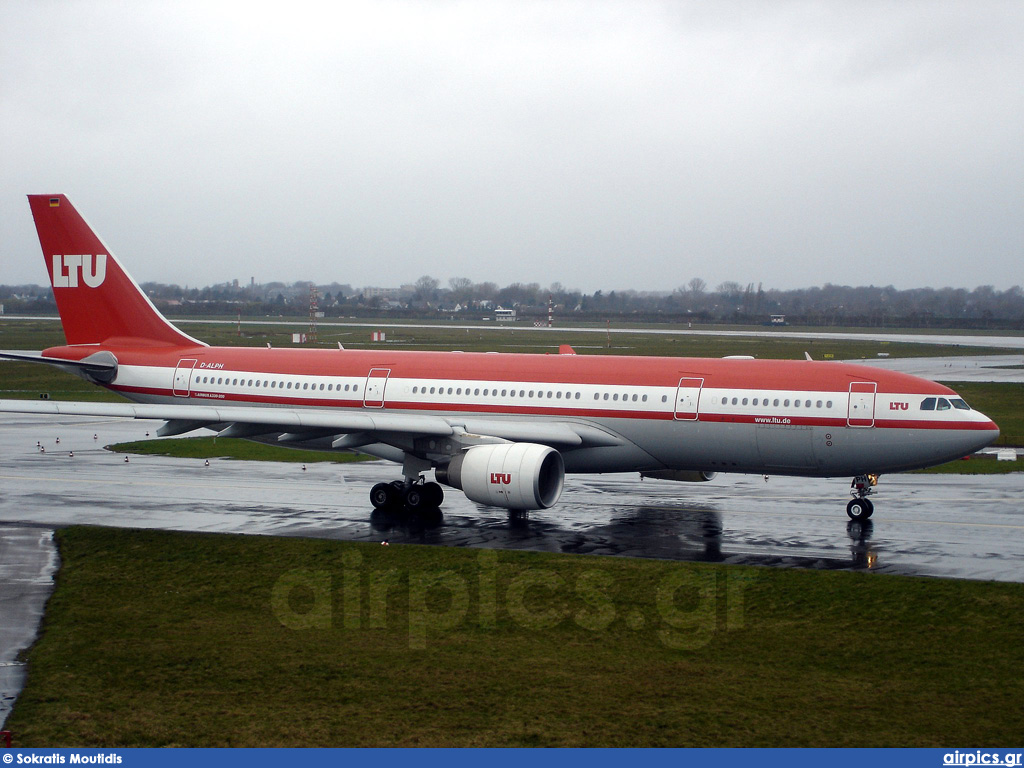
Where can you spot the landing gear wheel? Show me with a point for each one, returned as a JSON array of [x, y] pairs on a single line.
[[415, 498], [424, 496], [859, 509], [433, 494], [383, 496]]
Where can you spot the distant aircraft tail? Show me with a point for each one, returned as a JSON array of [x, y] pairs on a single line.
[[98, 301]]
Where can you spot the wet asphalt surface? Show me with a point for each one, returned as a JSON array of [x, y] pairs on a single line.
[[933, 525], [28, 561], [927, 525]]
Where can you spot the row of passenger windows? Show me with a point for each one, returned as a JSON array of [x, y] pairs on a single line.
[[776, 402], [488, 392], [928, 404], [612, 396], [271, 384], [528, 393]]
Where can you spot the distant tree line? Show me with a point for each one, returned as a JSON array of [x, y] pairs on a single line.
[[730, 302]]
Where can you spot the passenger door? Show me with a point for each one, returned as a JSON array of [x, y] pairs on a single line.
[[181, 387], [688, 399], [376, 383], [861, 409]]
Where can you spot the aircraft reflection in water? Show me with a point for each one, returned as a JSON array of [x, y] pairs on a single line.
[[687, 532], [860, 543]]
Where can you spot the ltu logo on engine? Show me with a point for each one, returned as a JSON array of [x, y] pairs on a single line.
[[497, 478], [67, 268]]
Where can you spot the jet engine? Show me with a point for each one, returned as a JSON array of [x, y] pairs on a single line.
[[680, 475], [509, 475]]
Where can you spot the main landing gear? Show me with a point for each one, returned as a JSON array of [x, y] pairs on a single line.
[[860, 507], [414, 496]]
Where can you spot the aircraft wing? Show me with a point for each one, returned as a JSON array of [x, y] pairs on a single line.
[[242, 421]]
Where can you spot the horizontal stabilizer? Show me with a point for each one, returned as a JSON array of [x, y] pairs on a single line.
[[101, 366]]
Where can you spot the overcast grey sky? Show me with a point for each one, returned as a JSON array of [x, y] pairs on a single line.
[[598, 144]]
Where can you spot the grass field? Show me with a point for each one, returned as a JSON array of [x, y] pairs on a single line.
[[24, 334], [232, 448], [975, 465], [159, 639]]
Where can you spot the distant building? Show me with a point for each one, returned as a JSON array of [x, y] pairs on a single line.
[[505, 315], [372, 292], [778, 319]]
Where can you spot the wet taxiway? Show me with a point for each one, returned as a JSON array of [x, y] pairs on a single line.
[[997, 368], [933, 525], [28, 560]]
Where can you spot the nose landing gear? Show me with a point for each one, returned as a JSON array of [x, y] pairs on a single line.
[[860, 507]]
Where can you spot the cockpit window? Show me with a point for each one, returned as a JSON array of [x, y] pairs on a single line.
[[928, 404], [959, 404], [943, 404]]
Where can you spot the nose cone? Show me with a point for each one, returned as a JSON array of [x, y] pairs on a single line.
[[985, 433]]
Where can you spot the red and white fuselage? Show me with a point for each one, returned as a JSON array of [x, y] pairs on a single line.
[[763, 416], [454, 411]]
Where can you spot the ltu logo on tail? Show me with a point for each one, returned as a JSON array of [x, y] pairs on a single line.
[[67, 268]]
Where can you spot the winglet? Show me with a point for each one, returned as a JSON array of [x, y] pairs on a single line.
[[565, 349]]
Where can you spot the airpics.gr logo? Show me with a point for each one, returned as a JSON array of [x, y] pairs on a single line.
[[67, 268]]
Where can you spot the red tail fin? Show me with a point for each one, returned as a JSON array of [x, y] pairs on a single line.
[[98, 301]]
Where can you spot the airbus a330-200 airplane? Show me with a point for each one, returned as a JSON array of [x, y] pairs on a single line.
[[503, 428]]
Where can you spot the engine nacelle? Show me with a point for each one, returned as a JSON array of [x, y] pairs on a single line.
[[509, 475], [681, 475]]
